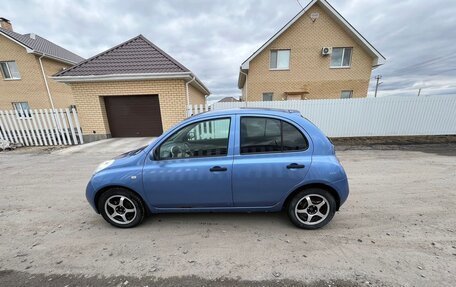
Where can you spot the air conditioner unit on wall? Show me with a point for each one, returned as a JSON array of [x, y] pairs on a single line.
[[325, 51]]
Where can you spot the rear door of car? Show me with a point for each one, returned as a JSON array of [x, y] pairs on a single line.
[[263, 169]]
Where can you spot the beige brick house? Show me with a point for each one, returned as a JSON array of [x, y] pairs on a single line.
[[26, 63], [316, 55], [131, 90]]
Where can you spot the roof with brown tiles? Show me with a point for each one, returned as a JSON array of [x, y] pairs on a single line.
[[41, 45], [135, 56]]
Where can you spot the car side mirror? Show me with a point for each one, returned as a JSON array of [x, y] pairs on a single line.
[[155, 155]]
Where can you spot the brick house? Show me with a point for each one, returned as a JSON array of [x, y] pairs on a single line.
[[26, 63], [131, 90], [316, 55]]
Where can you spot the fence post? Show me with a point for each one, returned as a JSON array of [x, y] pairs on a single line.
[[49, 136], [4, 127], [78, 127], [70, 122]]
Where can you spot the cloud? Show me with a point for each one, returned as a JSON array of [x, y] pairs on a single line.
[[212, 38]]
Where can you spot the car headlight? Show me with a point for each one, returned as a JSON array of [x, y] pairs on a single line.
[[103, 165]]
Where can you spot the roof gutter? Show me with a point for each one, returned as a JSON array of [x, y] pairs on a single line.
[[54, 58], [132, 77]]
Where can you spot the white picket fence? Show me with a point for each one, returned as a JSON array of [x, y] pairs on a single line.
[[389, 116], [196, 109], [41, 127]]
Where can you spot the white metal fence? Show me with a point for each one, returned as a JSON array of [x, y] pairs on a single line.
[[398, 116], [41, 127]]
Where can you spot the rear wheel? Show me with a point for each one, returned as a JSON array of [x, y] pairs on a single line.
[[121, 208], [312, 208]]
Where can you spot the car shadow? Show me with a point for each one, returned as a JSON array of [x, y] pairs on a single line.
[[238, 219]]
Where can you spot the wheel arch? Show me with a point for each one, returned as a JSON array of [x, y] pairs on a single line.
[[323, 186], [106, 188]]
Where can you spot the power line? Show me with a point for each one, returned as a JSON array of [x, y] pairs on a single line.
[[299, 3]]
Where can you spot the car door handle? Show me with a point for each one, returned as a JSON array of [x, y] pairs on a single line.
[[218, 168], [295, 165]]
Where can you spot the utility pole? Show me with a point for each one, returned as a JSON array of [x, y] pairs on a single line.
[[419, 92], [378, 77]]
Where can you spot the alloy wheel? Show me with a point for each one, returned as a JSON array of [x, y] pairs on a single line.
[[312, 209], [120, 209]]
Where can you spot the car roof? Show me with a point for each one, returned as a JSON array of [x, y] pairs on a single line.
[[236, 111]]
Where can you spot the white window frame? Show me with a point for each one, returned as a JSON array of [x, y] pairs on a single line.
[[342, 59], [344, 91], [12, 78], [20, 111], [277, 59]]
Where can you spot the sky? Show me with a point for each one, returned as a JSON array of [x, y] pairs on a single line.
[[212, 37]]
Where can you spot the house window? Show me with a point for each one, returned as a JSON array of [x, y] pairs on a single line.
[[341, 57], [22, 109], [267, 97], [279, 60], [10, 70], [347, 94]]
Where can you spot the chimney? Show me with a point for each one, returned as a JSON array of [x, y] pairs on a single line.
[[6, 24]]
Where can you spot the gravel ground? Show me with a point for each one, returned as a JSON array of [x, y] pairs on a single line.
[[397, 229]]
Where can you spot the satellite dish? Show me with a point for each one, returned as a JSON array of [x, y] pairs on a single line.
[[314, 16]]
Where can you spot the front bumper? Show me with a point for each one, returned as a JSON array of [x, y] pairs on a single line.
[[90, 195]]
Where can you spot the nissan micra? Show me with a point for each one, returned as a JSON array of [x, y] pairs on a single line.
[[241, 160]]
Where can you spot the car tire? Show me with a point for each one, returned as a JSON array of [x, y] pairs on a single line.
[[312, 208], [121, 207]]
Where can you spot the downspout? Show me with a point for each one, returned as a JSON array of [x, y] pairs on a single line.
[[186, 90], [245, 84], [187, 112], [46, 82]]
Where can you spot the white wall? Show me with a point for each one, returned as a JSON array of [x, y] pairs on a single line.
[[401, 116]]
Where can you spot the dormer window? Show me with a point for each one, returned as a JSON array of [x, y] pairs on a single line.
[[10, 70], [279, 60]]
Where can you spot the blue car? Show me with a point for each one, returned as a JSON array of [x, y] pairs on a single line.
[[240, 160]]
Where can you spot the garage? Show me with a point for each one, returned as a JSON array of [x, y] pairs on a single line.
[[134, 89], [134, 116]]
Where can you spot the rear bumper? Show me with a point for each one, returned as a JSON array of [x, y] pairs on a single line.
[[342, 189]]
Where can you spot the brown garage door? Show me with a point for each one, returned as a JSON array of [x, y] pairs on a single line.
[[134, 116]]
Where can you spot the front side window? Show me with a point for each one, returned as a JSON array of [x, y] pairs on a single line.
[[347, 94], [22, 109], [267, 97], [266, 135], [279, 60], [10, 70], [201, 139], [341, 57]]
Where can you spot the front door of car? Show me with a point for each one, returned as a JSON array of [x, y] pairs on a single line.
[[272, 156], [192, 167]]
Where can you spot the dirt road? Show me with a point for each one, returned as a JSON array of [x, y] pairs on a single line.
[[398, 228]]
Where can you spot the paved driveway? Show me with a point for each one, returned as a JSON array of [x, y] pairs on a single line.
[[397, 228], [108, 146]]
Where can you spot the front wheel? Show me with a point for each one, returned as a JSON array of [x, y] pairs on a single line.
[[121, 208], [312, 208]]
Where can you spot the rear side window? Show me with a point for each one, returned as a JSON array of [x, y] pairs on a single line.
[[292, 138], [266, 135]]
